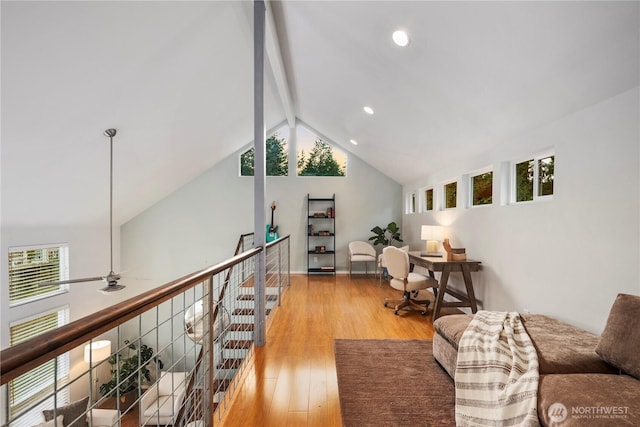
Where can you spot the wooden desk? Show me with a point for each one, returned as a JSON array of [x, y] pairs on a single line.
[[433, 264]]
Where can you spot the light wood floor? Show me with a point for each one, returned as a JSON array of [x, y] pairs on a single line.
[[292, 379]]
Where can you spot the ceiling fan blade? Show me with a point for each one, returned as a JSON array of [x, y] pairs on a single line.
[[64, 282]]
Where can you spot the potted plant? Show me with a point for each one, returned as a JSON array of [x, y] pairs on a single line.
[[126, 370], [386, 236]]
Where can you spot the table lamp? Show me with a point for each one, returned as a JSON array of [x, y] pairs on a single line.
[[96, 352], [432, 234]]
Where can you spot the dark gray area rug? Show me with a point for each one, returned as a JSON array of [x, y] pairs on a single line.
[[392, 383]]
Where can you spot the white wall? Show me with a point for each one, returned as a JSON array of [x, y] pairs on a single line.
[[199, 225], [568, 257], [88, 257]]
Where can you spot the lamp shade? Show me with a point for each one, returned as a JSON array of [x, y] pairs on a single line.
[[432, 232], [97, 351]]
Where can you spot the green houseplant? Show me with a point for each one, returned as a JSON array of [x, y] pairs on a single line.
[[127, 370], [386, 236]]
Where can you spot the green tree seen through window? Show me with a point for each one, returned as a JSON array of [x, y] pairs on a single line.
[[524, 178], [319, 162], [482, 189], [277, 161], [450, 195]]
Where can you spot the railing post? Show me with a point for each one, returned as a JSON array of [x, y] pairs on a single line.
[[209, 376], [279, 273]]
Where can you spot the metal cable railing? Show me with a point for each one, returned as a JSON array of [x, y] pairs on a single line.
[[173, 361]]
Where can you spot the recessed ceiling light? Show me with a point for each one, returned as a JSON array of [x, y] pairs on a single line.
[[368, 109], [353, 141], [401, 38]]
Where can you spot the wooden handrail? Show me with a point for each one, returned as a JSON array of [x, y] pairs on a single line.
[[21, 358]]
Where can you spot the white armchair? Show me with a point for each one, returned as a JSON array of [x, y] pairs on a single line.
[[161, 403], [360, 251]]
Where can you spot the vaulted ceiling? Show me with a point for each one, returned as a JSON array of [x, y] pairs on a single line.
[[176, 80]]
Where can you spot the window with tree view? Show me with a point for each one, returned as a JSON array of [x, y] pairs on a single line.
[[450, 195], [276, 156], [317, 157], [533, 178], [482, 189], [428, 199]]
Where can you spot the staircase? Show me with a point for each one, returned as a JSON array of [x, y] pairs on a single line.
[[235, 312]]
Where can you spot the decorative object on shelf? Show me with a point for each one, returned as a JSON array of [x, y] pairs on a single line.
[[321, 249], [124, 373], [454, 254], [432, 234], [386, 236], [319, 215]]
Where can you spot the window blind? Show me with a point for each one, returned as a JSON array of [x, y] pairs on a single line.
[[36, 387], [28, 267]]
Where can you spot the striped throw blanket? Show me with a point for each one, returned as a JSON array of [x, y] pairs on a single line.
[[496, 373]]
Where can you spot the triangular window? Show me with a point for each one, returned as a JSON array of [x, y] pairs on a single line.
[[317, 157], [277, 155]]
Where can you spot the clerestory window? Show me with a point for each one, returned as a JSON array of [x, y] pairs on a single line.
[[481, 185], [276, 156], [317, 157], [533, 179]]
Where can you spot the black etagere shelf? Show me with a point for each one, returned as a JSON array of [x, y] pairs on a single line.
[[321, 235]]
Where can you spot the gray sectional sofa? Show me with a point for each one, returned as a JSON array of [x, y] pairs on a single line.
[[585, 379]]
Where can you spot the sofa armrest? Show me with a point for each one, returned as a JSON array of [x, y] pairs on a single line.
[[148, 398], [103, 417]]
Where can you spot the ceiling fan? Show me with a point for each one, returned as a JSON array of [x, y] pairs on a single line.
[[111, 278]]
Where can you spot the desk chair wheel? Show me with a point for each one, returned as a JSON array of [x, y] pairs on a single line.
[[386, 303], [423, 312], [395, 312]]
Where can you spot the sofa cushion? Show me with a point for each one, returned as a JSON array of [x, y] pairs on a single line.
[[562, 348], [74, 413], [621, 336], [593, 400]]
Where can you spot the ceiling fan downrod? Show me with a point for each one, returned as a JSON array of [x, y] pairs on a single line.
[[111, 133]]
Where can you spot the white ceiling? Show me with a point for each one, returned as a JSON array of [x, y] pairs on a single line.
[[176, 80]]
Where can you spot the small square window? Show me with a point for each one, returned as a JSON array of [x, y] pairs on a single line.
[[533, 179], [428, 199], [411, 203], [450, 195], [482, 189], [545, 176]]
